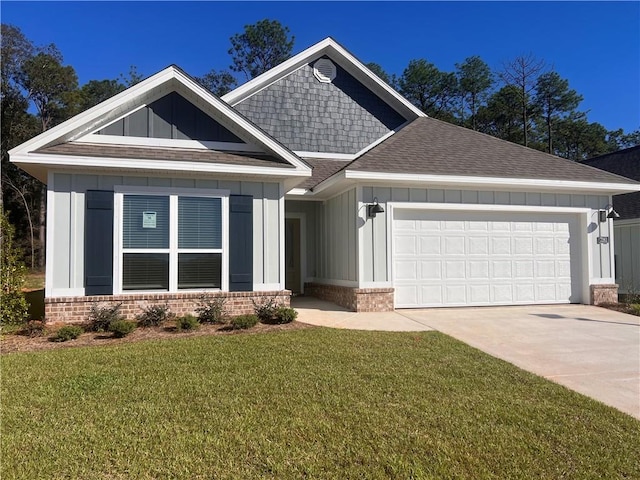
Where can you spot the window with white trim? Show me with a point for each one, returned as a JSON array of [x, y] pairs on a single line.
[[171, 241]]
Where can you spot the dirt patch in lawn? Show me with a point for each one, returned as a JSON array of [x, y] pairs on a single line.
[[23, 343]]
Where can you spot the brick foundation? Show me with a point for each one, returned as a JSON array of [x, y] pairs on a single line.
[[76, 309], [604, 294], [355, 299]]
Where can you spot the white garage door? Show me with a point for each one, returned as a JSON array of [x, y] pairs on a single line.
[[484, 258]]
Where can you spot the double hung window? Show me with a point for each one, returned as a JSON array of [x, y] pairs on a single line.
[[171, 242]]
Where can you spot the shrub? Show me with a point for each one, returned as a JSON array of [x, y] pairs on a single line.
[[285, 314], [187, 322], [101, 317], [122, 328], [242, 322], [68, 332], [154, 315], [13, 306], [265, 308], [34, 328], [211, 310]]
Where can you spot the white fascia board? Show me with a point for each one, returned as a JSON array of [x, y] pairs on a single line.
[[243, 91], [328, 156], [85, 121], [132, 164], [329, 47], [490, 182]]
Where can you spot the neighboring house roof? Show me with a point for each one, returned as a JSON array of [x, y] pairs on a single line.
[[33, 157], [626, 163]]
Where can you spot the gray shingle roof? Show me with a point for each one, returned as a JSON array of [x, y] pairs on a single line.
[[322, 169], [162, 153], [626, 163], [433, 147]]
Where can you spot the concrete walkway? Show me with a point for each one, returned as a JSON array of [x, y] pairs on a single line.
[[327, 314], [589, 349]]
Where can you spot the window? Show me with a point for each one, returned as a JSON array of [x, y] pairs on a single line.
[[170, 241]]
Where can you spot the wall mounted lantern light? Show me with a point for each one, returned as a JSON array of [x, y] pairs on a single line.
[[374, 208], [607, 212]]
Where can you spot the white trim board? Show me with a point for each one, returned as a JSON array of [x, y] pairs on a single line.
[[487, 182]]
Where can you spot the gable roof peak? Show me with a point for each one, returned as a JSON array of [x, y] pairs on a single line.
[[345, 59]]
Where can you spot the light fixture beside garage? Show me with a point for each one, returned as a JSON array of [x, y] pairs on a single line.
[[607, 212], [374, 208]]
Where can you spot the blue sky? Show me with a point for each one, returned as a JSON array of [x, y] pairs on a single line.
[[595, 45]]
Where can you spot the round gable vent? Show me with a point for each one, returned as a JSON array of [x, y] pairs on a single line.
[[324, 70]]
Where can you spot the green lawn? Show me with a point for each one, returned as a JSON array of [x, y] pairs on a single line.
[[313, 403]]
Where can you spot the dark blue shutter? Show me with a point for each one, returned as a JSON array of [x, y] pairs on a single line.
[[98, 243], [240, 243]]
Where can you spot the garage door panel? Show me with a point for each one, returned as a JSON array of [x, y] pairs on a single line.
[[431, 270], [501, 269], [456, 294], [429, 245], [525, 293], [407, 295], [455, 269], [454, 245], [406, 270], [473, 258], [479, 294], [431, 295], [522, 245], [545, 245], [478, 246]]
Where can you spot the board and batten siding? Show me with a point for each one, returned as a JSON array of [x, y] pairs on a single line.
[[627, 255], [374, 231], [336, 239], [66, 220]]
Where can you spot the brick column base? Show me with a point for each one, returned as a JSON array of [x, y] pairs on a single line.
[[76, 309], [604, 294], [355, 299]]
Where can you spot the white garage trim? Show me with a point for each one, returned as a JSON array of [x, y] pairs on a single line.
[[583, 216]]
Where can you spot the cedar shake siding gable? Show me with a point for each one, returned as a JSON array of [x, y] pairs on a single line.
[[342, 116], [432, 147]]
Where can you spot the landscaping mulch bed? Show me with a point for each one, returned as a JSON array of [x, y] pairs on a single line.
[[630, 308], [22, 343]]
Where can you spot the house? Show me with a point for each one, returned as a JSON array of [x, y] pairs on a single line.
[[627, 227], [314, 177]]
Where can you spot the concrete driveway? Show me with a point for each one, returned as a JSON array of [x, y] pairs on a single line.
[[589, 349]]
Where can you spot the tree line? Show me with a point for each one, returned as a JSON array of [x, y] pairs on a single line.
[[522, 102]]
